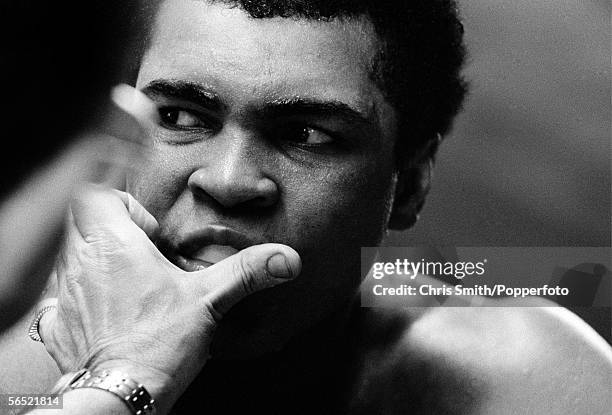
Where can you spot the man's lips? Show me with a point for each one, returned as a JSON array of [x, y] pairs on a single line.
[[206, 246]]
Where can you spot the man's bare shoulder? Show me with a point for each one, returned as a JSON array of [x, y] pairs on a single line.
[[505, 358]]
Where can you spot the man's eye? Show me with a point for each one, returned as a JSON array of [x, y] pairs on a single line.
[[179, 118], [308, 135]]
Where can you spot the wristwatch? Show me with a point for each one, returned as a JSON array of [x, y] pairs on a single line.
[[132, 393]]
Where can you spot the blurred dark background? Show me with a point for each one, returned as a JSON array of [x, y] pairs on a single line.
[[528, 162]]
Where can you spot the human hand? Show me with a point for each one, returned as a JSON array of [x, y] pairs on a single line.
[[123, 305]]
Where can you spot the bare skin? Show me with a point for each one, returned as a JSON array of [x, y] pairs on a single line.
[[306, 346], [435, 360]]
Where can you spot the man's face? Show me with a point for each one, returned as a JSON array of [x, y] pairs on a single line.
[[271, 131]]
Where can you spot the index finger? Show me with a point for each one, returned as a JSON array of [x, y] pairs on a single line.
[[124, 135], [97, 209]]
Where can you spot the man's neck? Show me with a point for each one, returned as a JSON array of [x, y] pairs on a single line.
[[313, 361]]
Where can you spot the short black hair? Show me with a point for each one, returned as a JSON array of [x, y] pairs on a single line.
[[419, 64]]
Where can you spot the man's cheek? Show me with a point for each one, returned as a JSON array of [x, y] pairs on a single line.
[[155, 189], [336, 224], [358, 208]]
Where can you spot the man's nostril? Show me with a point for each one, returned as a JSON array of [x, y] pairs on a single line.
[[233, 190]]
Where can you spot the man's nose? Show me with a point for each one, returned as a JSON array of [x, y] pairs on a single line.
[[232, 174]]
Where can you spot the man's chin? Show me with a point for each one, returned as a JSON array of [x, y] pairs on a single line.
[[260, 324]]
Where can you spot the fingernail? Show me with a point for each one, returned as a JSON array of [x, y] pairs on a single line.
[[278, 267]]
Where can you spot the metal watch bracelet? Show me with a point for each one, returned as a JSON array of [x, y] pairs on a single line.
[[132, 393]]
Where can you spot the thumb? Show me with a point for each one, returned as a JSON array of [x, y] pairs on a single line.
[[248, 271]]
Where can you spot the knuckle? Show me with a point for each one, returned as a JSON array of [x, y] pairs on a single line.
[[247, 273], [124, 238], [88, 194], [112, 243], [212, 312], [105, 232]]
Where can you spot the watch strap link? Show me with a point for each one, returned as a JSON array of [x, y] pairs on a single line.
[[133, 394]]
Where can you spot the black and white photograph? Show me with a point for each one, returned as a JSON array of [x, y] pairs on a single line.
[[360, 207]]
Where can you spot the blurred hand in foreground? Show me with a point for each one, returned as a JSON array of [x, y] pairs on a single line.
[[32, 217]]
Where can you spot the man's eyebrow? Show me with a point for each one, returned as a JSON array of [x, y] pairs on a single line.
[[185, 90], [300, 106]]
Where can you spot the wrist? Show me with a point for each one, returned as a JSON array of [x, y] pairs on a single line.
[[93, 401], [160, 385]]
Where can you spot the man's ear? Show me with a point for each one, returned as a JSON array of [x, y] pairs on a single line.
[[413, 183]]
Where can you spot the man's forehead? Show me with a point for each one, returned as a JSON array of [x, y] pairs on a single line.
[[274, 58]]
